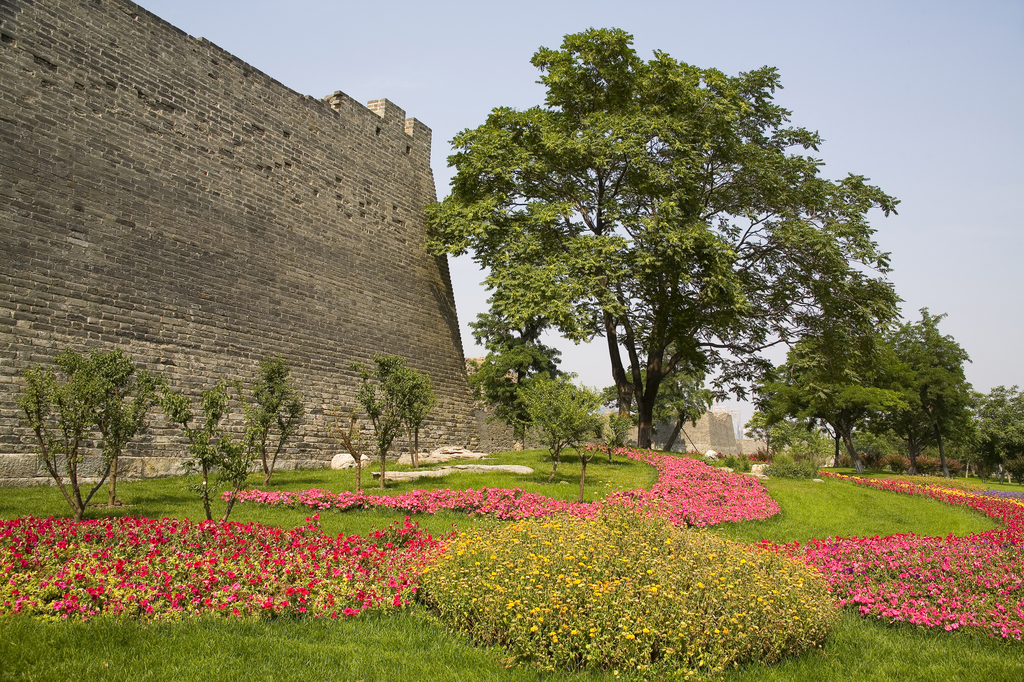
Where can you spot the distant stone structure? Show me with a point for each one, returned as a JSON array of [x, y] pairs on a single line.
[[159, 195], [713, 431]]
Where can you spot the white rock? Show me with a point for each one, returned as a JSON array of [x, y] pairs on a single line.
[[444, 471], [711, 454], [342, 460], [818, 480]]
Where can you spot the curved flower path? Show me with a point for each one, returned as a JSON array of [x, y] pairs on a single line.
[[687, 492], [149, 569], [949, 583]]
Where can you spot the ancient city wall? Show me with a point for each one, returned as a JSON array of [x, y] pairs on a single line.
[[713, 431], [159, 195]]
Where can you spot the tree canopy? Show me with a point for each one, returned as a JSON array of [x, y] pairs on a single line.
[[515, 354], [669, 208], [843, 378], [937, 394]]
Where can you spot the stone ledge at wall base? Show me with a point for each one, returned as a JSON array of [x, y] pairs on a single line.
[[454, 469], [344, 460], [27, 470]]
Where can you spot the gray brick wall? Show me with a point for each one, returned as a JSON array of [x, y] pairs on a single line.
[[159, 195]]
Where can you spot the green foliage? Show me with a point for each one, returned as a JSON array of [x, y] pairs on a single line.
[[514, 355], [936, 394], [211, 448], [1000, 424], [392, 395], [669, 208], [420, 399], [619, 426], [100, 392], [563, 415], [843, 377], [784, 465], [627, 593], [275, 406], [740, 464]]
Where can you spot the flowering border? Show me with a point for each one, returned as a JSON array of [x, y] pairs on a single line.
[[169, 569], [687, 492], [937, 582]]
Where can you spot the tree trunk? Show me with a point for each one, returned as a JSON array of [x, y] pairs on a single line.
[[674, 435], [206, 495], [412, 455], [913, 450], [835, 460], [942, 450], [623, 386], [383, 466], [645, 421], [554, 467], [231, 503], [112, 497], [852, 451], [583, 473]]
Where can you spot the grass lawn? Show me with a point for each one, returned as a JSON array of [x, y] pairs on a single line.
[[411, 645]]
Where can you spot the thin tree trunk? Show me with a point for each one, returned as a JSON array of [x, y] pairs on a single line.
[[623, 386], [231, 503], [206, 495], [383, 466], [674, 435], [942, 450], [583, 472], [913, 450], [852, 451], [112, 497], [554, 467]]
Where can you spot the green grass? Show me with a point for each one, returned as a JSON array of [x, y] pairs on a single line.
[[156, 498], [840, 509], [412, 646]]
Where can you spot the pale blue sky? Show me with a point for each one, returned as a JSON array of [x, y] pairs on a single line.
[[925, 98]]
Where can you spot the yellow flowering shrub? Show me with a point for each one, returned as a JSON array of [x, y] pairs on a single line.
[[627, 592]]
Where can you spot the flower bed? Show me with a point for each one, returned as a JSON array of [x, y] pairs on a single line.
[[627, 591], [687, 492], [168, 569], [949, 583]]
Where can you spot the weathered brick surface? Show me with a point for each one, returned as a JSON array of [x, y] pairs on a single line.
[[159, 195]]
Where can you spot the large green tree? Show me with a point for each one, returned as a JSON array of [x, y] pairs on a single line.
[[669, 208], [1000, 422], [515, 354], [837, 378], [937, 394]]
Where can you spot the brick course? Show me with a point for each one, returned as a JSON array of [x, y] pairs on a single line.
[[159, 195]]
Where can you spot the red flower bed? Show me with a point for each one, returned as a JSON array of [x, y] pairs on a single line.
[[688, 492], [169, 568], [949, 583], [164, 569]]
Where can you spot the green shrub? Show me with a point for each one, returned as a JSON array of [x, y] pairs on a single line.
[[784, 466], [740, 464], [627, 593], [898, 464]]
